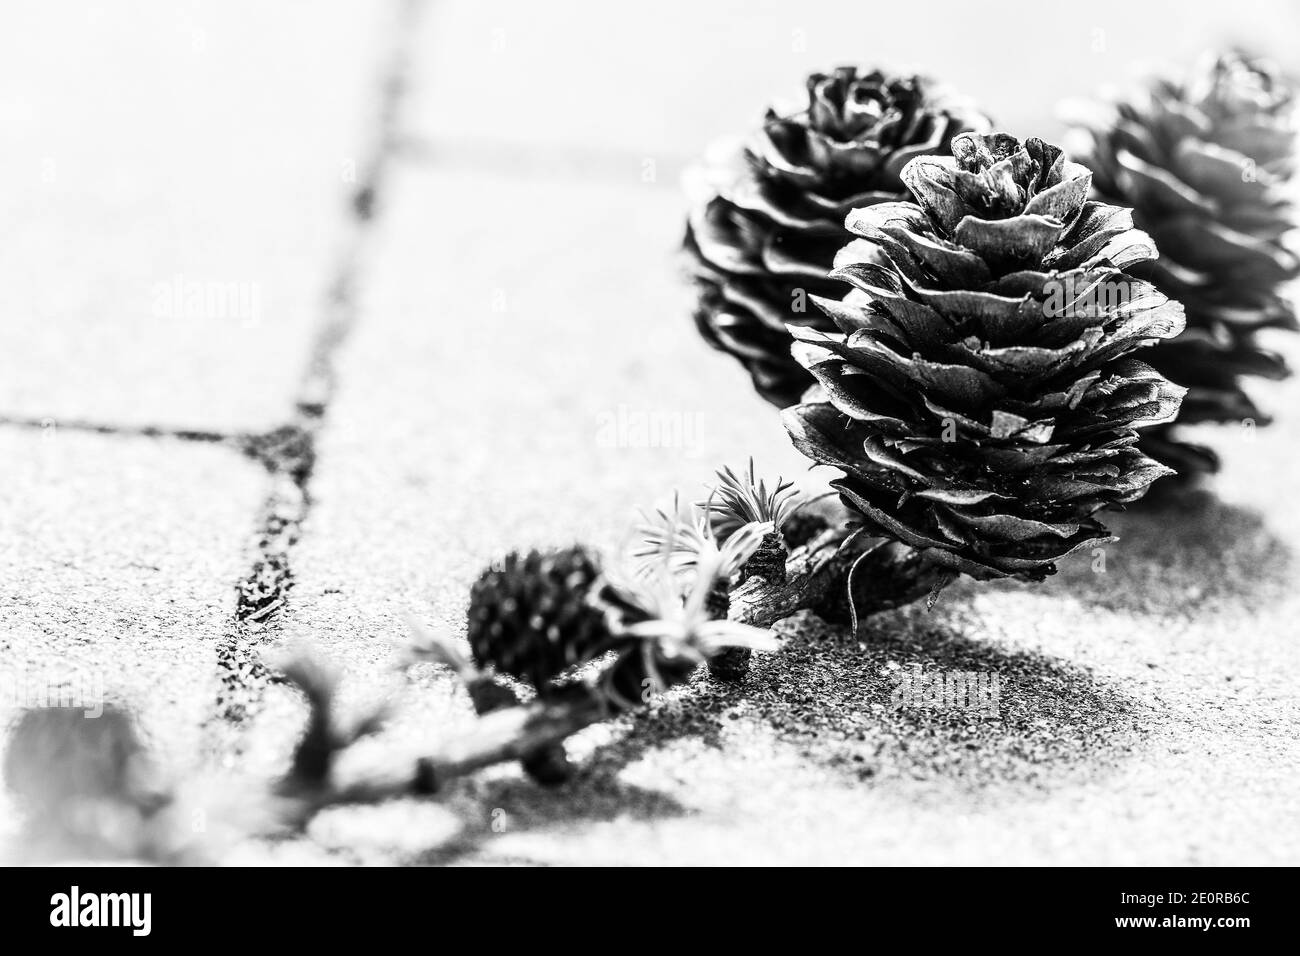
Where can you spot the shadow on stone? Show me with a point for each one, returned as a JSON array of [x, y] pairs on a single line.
[[1191, 554], [1020, 719], [518, 805], [841, 703]]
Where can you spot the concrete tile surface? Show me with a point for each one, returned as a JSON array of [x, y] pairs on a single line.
[[521, 370], [505, 80], [549, 384], [1146, 711], [178, 175], [118, 558]]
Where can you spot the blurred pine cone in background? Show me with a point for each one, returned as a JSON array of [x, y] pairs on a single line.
[[1206, 163], [768, 216], [977, 393]]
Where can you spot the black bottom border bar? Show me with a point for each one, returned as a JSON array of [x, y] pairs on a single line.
[[1175, 905]]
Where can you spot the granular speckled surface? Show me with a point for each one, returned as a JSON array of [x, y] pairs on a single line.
[[1142, 718], [521, 370], [117, 577]]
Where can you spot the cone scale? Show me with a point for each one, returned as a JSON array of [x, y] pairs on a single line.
[[768, 215], [978, 393]]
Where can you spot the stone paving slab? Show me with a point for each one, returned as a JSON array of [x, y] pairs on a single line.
[[530, 328], [1122, 739], [523, 371], [662, 82], [177, 176], [118, 559], [545, 392], [523, 344]]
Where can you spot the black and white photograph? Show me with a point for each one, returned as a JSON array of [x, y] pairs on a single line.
[[699, 433]]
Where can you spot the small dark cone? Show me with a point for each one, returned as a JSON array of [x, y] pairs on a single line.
[[1207, 162], [531, 616]]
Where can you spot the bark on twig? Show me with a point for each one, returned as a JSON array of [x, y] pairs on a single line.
[[813, 576], [513, 733], [818, 575], [549, 764], [840, 580]]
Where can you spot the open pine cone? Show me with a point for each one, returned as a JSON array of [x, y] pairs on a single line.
[[977, 394], [1205, 163], [768, 217]]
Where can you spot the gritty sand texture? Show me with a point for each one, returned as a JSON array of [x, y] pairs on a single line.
[[117, 577], [514, 317]]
